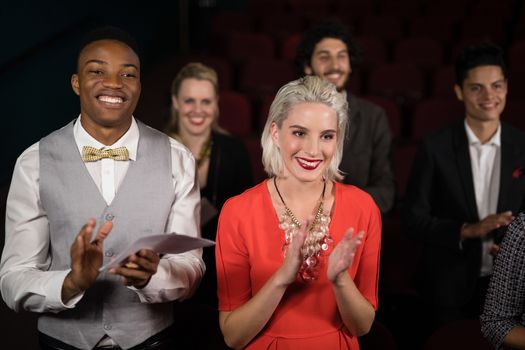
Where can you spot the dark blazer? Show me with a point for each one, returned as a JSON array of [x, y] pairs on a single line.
[[230, 171], [229, 174], [440, 198], [367, 152]]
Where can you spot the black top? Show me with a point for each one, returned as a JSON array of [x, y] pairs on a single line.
[[229, 174]]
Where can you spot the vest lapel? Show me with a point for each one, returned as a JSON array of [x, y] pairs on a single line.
[[80, 171]]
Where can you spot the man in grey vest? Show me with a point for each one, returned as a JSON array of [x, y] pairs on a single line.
[[114, 179]]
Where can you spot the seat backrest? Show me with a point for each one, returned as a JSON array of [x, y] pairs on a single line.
[[288, 48], [235, 114], [516, 84], [379, 338], [402, 9], [243, 47], [476, 27], [387, 27], [253, 144], [263, 112], [353, 10], [403, 159], [266, 8], [392, 111], [517, 56], [514, 113], [497, 9], [400, 81], [458, 335], [426, 53], [442, 82], [433, 114], [310, 7], [453, 8], [227, 22], [374, 49], [282, 25], [262, 77], [438, 27]]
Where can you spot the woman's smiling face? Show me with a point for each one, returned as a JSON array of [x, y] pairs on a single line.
[[197, 105], [307, 140]]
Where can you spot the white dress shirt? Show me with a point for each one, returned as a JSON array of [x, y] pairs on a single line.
[[25, 281], [485, 160]]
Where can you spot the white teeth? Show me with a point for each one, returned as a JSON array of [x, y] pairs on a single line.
[[111, 99], [197, 120], [488, 106], [307, 163]]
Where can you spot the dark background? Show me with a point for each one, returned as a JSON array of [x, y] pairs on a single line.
[[40, 46]]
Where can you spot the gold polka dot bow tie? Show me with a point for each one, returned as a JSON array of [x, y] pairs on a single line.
[[92, 154]]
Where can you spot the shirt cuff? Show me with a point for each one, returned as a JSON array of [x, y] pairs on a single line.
[[54, 301], [174, 280]]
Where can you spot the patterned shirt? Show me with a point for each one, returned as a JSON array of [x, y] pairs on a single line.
[[504, 304]]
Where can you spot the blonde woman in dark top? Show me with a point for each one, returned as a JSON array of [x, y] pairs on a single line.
[[223, 168]]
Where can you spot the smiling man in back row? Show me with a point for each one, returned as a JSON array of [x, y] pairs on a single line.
[[329, 51]]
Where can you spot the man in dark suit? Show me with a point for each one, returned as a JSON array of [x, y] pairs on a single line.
[[327, 50], [466, 183]]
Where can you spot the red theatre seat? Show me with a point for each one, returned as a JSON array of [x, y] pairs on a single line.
[[235, 113]]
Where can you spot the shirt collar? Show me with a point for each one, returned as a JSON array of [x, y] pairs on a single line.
[[473, 139], [129, 140]]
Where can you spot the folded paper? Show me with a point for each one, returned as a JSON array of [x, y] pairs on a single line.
[[168, 243]]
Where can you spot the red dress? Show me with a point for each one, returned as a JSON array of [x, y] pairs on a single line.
[[248, 252]]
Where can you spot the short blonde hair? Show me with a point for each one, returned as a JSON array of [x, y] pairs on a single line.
[[193, 70], [306, 89]]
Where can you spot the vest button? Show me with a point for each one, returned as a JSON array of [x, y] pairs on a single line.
[[109, 253], [109, 217], [107, 327]]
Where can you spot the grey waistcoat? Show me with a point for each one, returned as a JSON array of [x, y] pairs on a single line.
[[141, 207]]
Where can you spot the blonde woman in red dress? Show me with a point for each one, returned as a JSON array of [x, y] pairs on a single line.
[[298, 254]]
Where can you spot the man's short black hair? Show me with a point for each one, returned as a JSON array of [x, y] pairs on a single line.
[[476, 56], [108, 33], [325, 29]]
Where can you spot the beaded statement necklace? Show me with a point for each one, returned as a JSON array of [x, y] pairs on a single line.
[[317, 242]]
